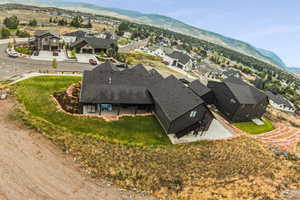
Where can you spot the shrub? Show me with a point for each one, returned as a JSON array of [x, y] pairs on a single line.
[[24, 50], [22, 34], [5, 33]]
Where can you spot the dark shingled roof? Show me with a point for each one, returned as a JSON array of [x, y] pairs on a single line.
[[77, 34], [244, 93], [278, 99], [174, 97], [96, 43], [199, 88], [106, 84], [182, 58], [40, 33]]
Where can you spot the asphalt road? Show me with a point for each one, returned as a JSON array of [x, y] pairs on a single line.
[[12, 66]]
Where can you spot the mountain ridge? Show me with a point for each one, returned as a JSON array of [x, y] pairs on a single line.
[[164, 22]]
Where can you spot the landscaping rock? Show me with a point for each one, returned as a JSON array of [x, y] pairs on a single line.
[[297, 155]]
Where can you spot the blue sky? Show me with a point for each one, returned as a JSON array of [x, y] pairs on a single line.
[[268, 24]]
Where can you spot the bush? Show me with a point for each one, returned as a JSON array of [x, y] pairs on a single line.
[[24, 50], [22, 34], [33, 22], [5, 33]]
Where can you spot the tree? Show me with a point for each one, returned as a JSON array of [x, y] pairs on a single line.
[[9, 45], [123, 27], [33, 22], [62, 22], [50, 20], [11, 22], [5, 33], [101, 54], [76, 21], [54, 64], [22, 34]]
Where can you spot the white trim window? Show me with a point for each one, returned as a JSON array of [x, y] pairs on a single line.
[[193, 114], [90, 108]]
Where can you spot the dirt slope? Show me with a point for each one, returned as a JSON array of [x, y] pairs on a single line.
[[32, 168]]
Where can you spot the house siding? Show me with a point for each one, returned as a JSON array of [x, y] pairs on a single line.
[[185, 120]]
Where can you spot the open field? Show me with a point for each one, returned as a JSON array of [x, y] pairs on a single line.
[[252, 128], [35, 94], [241, 168]]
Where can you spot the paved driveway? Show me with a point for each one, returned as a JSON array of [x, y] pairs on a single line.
[[85, 58], [12, 66]]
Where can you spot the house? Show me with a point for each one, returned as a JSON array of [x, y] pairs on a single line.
[[202, 91], [45, 40], [156, 51], [178, 109], [93, 45], [231, 72], [73, 36], [237, 100], [127, 35], [279, 102], [106, 90], [180, 60]]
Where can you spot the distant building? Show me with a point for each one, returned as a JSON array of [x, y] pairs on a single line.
[[180, 60], [45, 40], [93, 45], [231, 72], [279, 102], [238, 101]]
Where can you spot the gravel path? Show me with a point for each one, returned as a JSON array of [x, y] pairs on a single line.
[[31, 167]]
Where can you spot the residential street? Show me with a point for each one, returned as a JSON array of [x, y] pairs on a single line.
[[11, 66]]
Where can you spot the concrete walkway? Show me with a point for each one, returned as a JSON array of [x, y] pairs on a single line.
[[216, 131]]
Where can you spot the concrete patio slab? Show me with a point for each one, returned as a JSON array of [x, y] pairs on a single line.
[[216, 131]]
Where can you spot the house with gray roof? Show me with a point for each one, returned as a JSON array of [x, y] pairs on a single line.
[[180, 60], [106, 90], [93, 45], [279, 102], [237, 100]]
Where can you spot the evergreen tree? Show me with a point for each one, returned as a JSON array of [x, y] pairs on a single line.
[[33, 22], [11, 22]]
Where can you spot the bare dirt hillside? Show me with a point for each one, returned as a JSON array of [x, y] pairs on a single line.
[[32, 168]]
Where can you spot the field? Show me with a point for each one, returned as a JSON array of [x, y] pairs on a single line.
[[252, 128], [35, 95], [241, 168]]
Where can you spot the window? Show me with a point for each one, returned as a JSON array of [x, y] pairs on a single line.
[[90, 108], [193, 114], [232, 101]]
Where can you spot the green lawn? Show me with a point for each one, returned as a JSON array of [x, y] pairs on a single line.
[[252, 128], [35, 94]]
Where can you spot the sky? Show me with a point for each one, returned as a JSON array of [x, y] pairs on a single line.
[[269, 24]]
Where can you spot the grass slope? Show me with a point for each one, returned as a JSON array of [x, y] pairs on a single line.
[[252, 128], [35, 94], [241, 168]]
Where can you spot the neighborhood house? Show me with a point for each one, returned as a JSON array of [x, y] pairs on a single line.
[[237, 100], [279, 102], [180, 60], [93, 45], [108, 91], [45, 40]]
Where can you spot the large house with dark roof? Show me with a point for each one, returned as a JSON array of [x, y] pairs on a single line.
[[107, 90], [237, 100], [45, 40], [93, 45]]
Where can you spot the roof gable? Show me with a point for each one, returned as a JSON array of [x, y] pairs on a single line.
[[182, 58], [199, 88], [174, 97], [244, 93]]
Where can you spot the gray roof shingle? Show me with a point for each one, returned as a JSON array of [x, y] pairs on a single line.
[[244, 93], [199, 88], [278, 99], [182, 58], [174, 97], [96, 43]]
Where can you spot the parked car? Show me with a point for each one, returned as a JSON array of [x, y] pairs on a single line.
[[165, 62], [13, 54], [93, 62]]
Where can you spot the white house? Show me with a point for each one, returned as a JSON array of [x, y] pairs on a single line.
[[180, 60], [280, 103]]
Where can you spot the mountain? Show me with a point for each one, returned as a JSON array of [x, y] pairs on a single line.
[[272, 56], [294, 69], [164, 22]]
